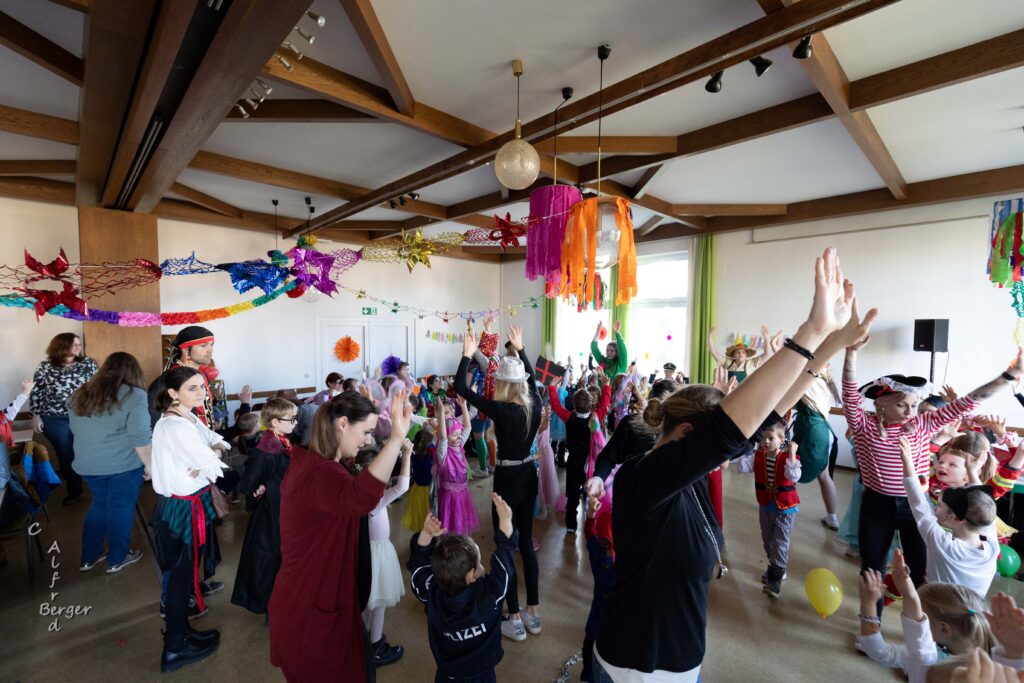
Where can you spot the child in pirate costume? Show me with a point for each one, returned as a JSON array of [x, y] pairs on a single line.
[[741, 359], [776, 472]]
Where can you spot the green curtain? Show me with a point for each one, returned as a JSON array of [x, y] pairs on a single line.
[[702, 307], [548, 317], [620, 313]]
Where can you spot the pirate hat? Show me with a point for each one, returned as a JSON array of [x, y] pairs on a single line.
[[893, 384]]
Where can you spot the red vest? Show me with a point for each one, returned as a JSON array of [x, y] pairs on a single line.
[[783, 492]]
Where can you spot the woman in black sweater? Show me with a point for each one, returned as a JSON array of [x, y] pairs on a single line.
[[666, 541], [515, 411]]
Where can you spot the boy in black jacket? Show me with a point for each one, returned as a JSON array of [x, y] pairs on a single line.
[[463, 603]]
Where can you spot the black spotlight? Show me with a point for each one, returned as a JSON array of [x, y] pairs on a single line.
[[803, 49], [761, 64], [401, 200], [414, 196], [392, 204], [714, 83]]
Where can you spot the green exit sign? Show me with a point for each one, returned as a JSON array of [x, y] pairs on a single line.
[[367, 310]]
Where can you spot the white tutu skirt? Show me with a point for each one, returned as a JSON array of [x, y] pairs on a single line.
[[388, 585]]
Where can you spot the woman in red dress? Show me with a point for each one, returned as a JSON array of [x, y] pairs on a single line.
[[316, 631]]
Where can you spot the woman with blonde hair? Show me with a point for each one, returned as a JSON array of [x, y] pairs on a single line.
[[515, 411], [667, 541]]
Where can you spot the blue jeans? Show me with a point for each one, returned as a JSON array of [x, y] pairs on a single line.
[[57, 429], [110, 515]]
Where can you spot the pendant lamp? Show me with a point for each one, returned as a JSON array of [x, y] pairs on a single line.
[[517, 164]]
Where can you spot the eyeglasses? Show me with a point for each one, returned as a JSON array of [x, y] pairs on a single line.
[[288, 419]]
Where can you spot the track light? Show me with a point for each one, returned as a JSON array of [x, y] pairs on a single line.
[[320, 21], [761, 64], [256, 96], [803, 49], [242, 110], [295, 50], [263, 84], [285, 63], [714, 83], [392, 204], [252, 103], [308, 200], [308, 37], [414, 196], [401, 200]]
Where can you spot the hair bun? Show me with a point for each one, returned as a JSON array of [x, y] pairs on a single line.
[[654, 413]]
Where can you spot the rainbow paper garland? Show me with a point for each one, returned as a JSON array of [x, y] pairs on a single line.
[[144, 319]]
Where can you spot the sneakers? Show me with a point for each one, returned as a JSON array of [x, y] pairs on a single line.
[[773, 581], [132, 557], [385, 653], [570, 530], [830, 522], [89, 566], [211, 587], [193, 609], [514, 629], [193, 651], [764, 577], [532, 624], [481, 474]]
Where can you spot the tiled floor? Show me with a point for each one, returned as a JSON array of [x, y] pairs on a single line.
[[749, 637]]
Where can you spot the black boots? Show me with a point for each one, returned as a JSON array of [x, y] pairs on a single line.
[[198, 646], [384, 654], [773, 581]]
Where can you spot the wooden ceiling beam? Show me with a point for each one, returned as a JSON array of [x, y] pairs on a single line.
[[610, 144], [77, 5], [668, 231], [648, 226], [371, 34], [731, 209], [992, 56], [38, 49], [206, 201], [737, 46], [641, 186], [494, 249], [999, 181], [301, 111], [35, 125], [830, 79], [115, 42], [366, 226], [37, 189], [37, 167], [248, 35]]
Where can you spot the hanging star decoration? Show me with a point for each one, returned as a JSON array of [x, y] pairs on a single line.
[[54, 270], [507, 232], [411, 248], [46, 300], [312, 268]]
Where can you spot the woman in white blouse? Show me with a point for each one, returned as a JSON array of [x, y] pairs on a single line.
[[186, 462]]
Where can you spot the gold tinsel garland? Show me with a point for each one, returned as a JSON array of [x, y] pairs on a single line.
[[411, 248]]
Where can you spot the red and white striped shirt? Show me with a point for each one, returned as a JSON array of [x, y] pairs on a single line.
[[878, 450]]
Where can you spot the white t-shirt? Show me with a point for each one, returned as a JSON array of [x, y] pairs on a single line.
[[181, 444], [620, 675]]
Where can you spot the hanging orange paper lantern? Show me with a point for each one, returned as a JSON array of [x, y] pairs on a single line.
[[346, 349]]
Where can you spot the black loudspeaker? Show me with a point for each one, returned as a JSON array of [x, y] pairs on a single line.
[[931, 335]]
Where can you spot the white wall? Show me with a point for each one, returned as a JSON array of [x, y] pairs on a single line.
[[935, 270], [515, 288], [269, 347], [41, 229]]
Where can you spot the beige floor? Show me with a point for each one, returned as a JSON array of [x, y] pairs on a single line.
[[749, 637]]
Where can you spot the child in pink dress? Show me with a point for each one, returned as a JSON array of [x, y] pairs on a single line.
[[547, 494], [454, 502]]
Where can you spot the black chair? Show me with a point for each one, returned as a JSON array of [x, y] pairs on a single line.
[[26, 527]]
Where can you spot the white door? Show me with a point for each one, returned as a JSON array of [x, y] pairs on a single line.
[[329, 331], [390, 338]]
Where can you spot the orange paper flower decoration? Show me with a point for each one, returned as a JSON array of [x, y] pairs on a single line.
[[346, 349]]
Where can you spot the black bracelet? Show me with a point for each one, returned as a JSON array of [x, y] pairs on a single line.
[[1008, 377], [793, 346]]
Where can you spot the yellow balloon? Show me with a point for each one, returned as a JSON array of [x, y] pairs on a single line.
[[824, 591]]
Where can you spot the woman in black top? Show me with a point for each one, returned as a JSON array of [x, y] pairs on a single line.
[[515, 411], [666, 541]]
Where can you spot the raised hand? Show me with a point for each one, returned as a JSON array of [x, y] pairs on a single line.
[[515, 336], [245, 395], [831, 307], [26, 386], [432, 527], [406, 450], [469, 344], [1007, 623], [856, 332], [504, 514], [994, 422], [1016, 368], [401, 414], [872, 587], [907, 456], [616, 326]]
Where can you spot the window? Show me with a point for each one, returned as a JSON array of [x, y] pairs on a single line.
[[574, 329], [658, 324]]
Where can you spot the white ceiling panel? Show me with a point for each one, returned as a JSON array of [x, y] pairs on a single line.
[[479, 181], [61, 25], [814, 161], [458, 59], [691, 107], [968, 127], [21, 147], [358, 153], [912, 30], [336, 43], [256, 196], [25, 85]]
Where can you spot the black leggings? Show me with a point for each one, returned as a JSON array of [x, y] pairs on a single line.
[[179, 589], [575, 478], [880, 517], [519, 490]]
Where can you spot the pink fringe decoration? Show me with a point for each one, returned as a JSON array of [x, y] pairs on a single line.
[[138, 319], [550, 204]]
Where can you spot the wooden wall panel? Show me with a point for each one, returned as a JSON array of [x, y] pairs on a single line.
[[106, 235]]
